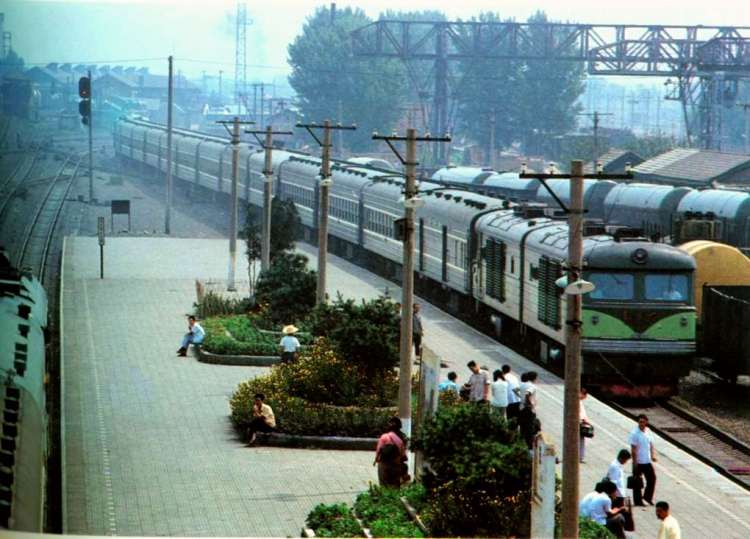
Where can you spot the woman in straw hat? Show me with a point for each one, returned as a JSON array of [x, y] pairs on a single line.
[[289, 344]]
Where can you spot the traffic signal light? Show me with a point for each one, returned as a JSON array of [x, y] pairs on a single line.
[[84, 87], [84, 106]]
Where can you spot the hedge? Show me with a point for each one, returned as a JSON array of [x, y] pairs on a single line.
[[295, 415], [381, 510], [239, 336]]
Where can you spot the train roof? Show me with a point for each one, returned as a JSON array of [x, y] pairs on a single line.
[[511, 181], [455, 174], [722, 203], [644, 196]]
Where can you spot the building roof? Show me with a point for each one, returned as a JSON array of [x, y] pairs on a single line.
[[689, 166], [614, 161], [46, 74]]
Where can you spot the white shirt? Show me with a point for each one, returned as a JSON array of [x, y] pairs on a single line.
[[499, 391], [584, 416], [616, 474], [512, 380], [289, 343], [642, 440], [599, 507], [527, 391]]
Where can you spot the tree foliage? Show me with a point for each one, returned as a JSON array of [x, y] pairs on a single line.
[[528, 96], [366, 334], [287, 288], [325, 73], [482, 473]]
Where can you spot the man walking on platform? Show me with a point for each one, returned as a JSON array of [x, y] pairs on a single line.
[[479, 383], [670, 528], [641, 442]]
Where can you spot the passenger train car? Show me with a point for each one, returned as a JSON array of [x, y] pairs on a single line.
[[662, 212], [23, 446], [479, 256]]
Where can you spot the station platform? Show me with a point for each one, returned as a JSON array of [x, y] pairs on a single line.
[[149, 449]]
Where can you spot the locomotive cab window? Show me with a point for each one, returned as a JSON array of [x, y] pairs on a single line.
[[612, 286], [666, 287]]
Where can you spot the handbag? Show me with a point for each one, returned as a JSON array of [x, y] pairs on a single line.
[[587, 430], [634, 482]]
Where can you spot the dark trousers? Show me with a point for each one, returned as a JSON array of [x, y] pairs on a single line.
[[258, 424], [530, 425], [513, 410], [417, 340], [616, 524], [647, 470]]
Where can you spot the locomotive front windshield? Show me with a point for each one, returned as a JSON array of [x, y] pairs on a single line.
[[624, 286]]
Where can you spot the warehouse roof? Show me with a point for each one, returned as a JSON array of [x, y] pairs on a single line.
[[614, 161], [688, 166]]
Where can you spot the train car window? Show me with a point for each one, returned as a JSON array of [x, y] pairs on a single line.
[[612, 286], [666, 287], [495, 266]]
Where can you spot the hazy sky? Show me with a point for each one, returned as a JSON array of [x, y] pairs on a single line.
[[200, 34]]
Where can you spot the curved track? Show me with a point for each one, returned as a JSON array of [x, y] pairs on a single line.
[[40, 230]]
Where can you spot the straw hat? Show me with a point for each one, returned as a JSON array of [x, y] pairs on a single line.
[[289, 330]]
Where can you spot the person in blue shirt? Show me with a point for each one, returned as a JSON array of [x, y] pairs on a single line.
[[450, 384], [195, 335]]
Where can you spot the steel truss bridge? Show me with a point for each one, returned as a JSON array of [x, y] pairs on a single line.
[[707, 63]]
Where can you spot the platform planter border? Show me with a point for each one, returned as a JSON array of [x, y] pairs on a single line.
[[347, 443], [236, 360]]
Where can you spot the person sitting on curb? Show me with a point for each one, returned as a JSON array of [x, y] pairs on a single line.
[[195, 335], [289, 344], [263, 418]]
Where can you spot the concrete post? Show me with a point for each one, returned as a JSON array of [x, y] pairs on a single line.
[[571, 411], [267, 200], [234, 204], [543, 489], [325, 183], [170, 97]]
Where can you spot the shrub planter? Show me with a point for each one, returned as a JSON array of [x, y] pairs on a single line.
[[414, 516], [280, 439]]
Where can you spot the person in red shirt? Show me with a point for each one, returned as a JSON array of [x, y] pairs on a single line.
[[390, 455]]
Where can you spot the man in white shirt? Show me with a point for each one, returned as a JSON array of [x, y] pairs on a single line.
[[514, 401], [289, 344], [499, 391], [599, 509], [195, 335], [616, 474], [641, 442], [670, 528]]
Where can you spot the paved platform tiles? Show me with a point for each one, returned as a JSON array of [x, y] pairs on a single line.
[[149, 447]]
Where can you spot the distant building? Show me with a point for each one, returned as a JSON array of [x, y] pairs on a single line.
[[615, 161], [56, 86], [695, 168]]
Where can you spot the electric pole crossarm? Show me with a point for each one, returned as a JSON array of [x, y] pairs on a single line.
[[263, 132]]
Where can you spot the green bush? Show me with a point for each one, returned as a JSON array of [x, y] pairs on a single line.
[[335, 520], [365, 334], [589, 529], [318, 394], [382, 511], [287, 288], [216, 305], [221, 338], [482, 473]]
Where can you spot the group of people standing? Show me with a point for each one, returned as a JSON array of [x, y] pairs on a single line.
[[506, 394]]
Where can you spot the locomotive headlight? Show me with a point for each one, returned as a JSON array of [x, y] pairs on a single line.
[[639, 256], [683, 321]]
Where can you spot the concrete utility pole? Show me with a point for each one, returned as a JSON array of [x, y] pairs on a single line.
[[411, 203], [493, 121], [571, 401], [595, 116], [235, 133], [573, 324], [170, 98], [91, 135], [265, 258], [325, 185]]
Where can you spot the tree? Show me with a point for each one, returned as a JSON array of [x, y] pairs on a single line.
[[325, 73], [12, 63], [285, 226], [365, 334], [287, 288]]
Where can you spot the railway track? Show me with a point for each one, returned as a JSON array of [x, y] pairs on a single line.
[[41, 228], [14, 180], [724, 453]]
